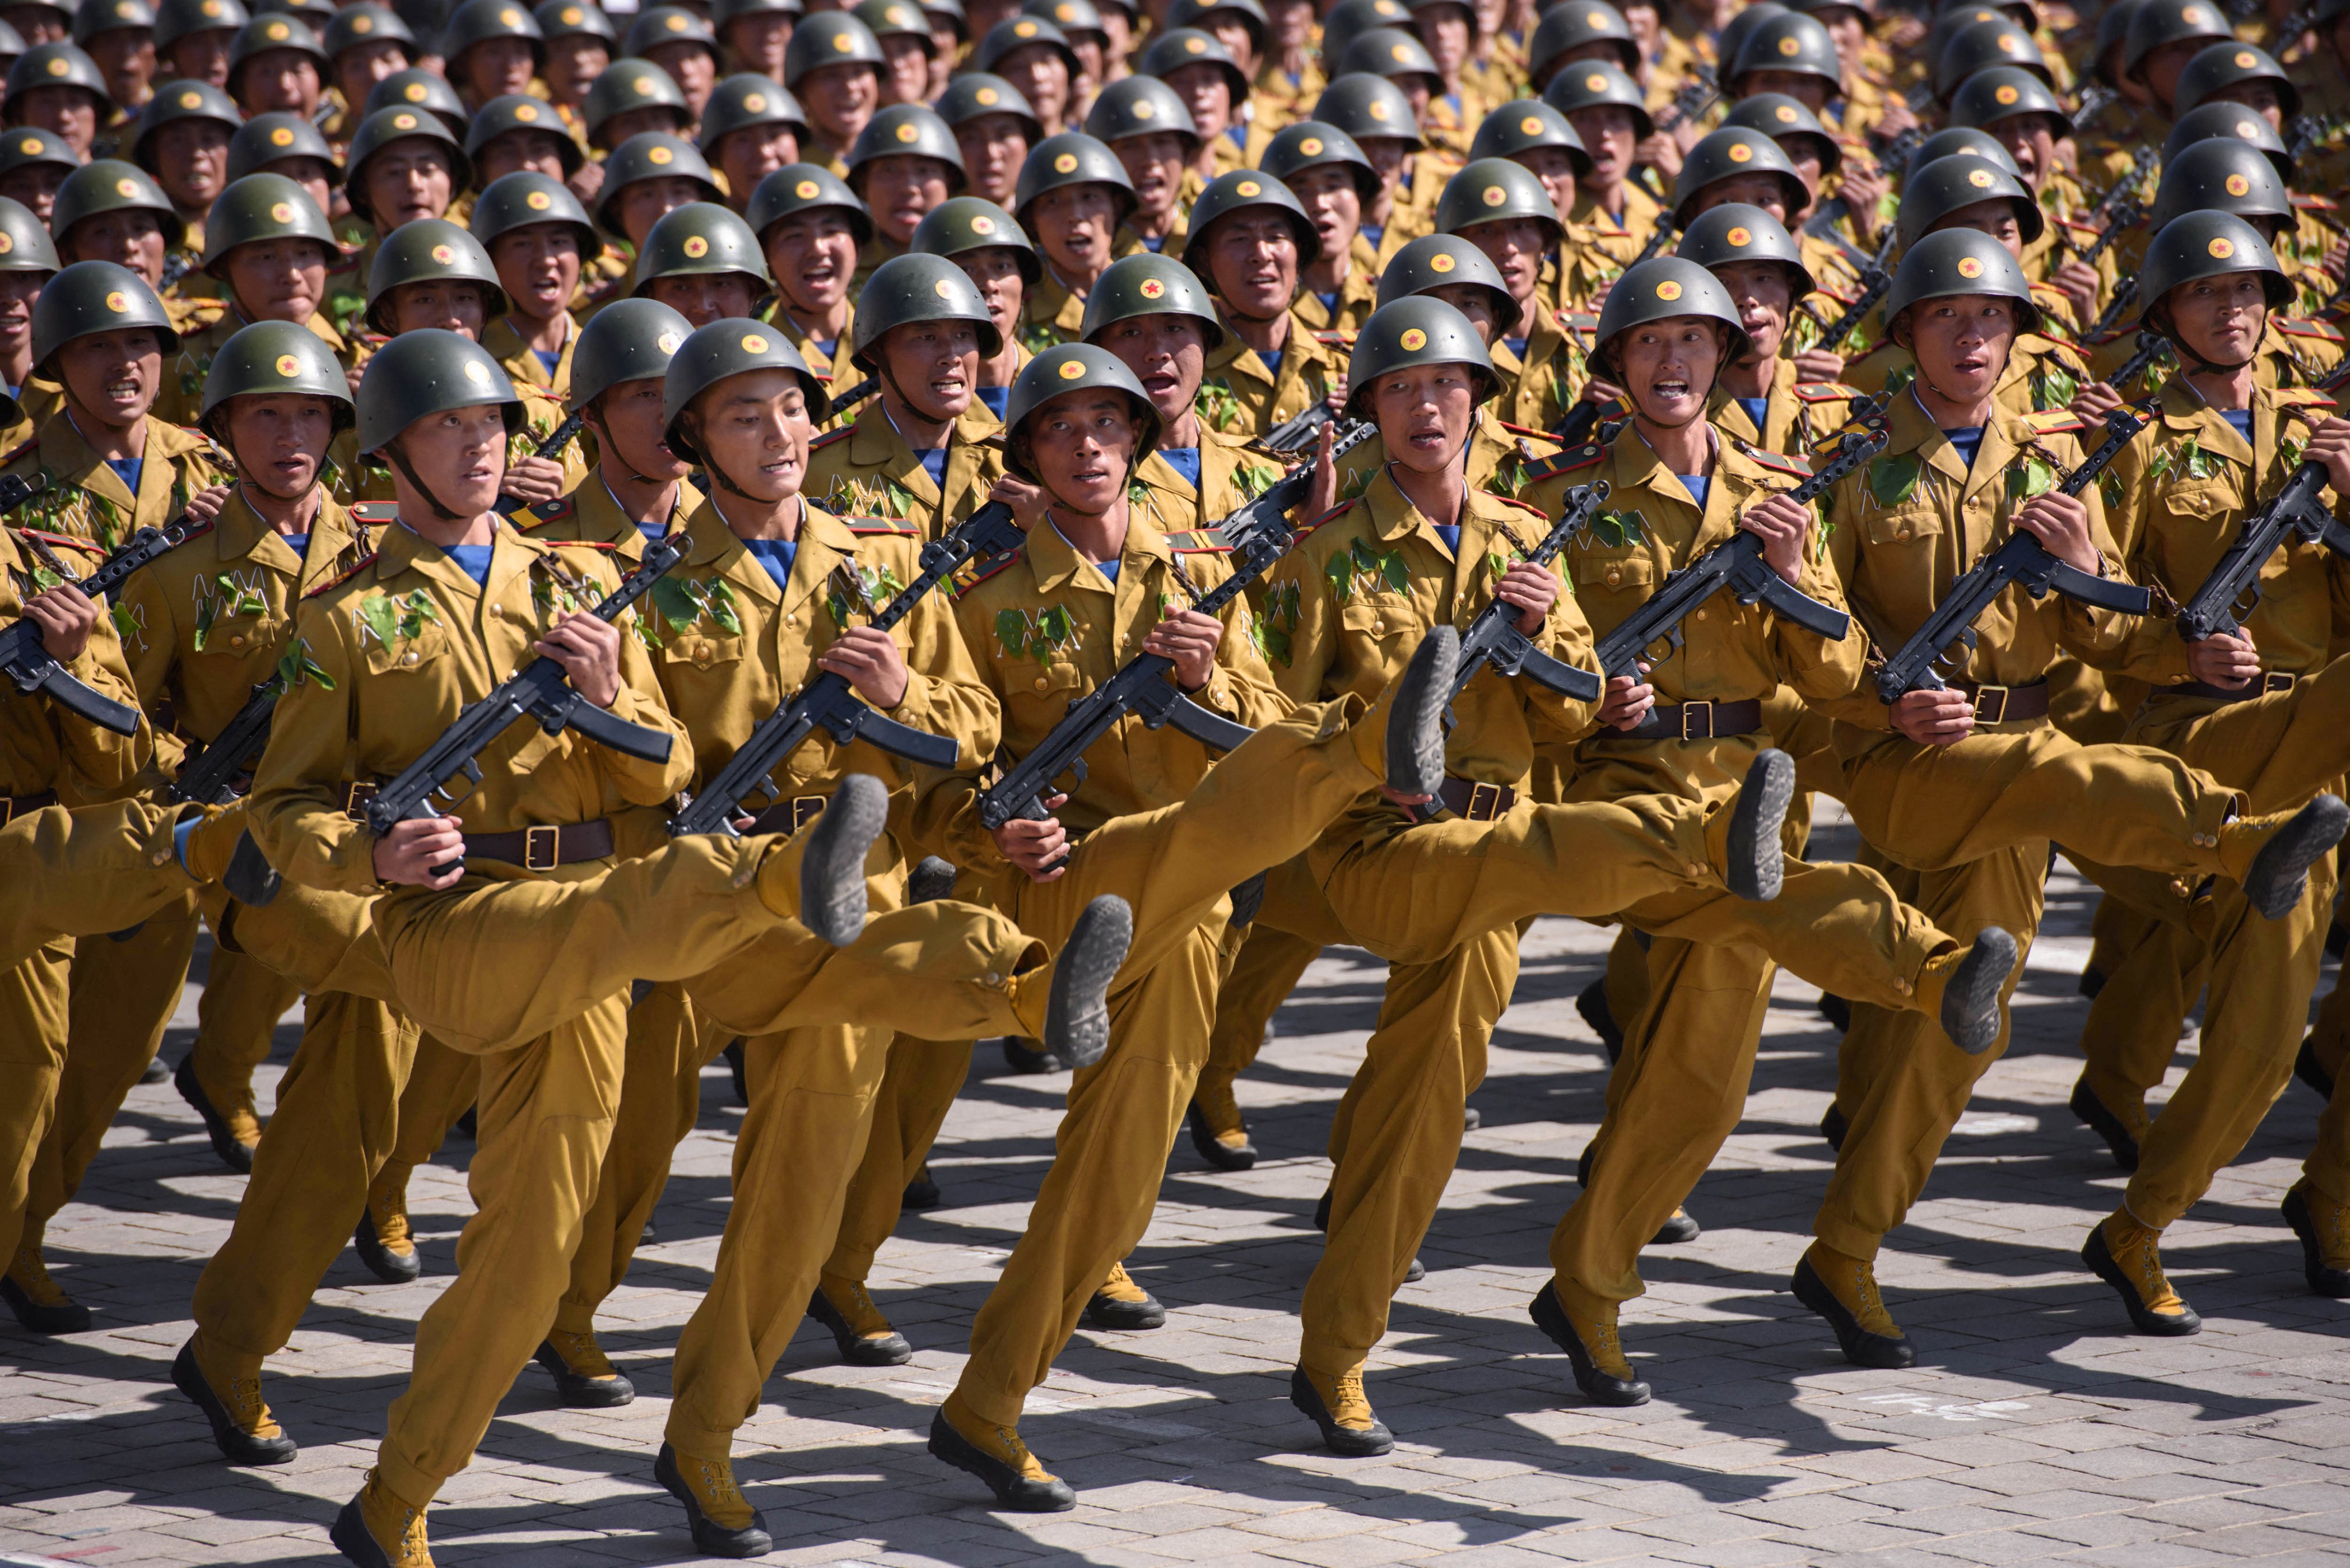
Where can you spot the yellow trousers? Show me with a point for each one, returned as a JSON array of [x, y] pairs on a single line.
[[1268, 967], [237, 1022], [441, 1084], [36, 1000], [919, 1086]]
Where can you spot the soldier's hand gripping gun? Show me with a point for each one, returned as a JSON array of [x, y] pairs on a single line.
[[2232, 591], [210, 776], [27, 663], [1493, 638]]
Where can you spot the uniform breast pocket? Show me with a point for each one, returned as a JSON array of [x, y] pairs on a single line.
[[1902, 525], [2196, 500], [1380, 618], [1604, 575], [243, 637], [701, 652], [423, 651], [1040, 693]]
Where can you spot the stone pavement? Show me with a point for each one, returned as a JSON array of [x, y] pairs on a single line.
[[2036, 1429]]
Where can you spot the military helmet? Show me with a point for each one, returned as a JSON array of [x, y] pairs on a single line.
[[2158, 22], [479, 20], [1659, 289], [1367, 107], [1436, 261], [699, 239], [366, 23], [800, 187], [2001, 92], [709, 356], [1734, 232], [1072, 16], [2207, 244], [2223, 66], [109, 185], [627, 340], [25, 243], [515, 111], [267, 138], [273, 358], [417, 88], [386, 126], [176, 101], [1590, 83], [1491, 190], [1171, 51], [1866, 9], [96, 297], [630, 84], [429, 250], [1417, 330], [263, 207], [1243, 188], [64, 66], [1020, 33], [92, 17], [830, 38], [26, 144], [12, 43], [957, 19], [1072, 368], [2224, 174], [1072, 158], [1575, 24], [1310, 144], [265, 32], [1948, 184], [525, 197], [660, 25], [1789, 42], [1953, 262], [2229, 120], [974, 95], [1141, 106], [317, 12], [1779, 117], [744, 100], [907, 130], [1980, 46], [1389, 52], [1957, 139], [722, 12], [916, 287], [1727, 154], [1350, 17], [426, 372], [649, 155], [1733, 35], [577, 19], [1195, 13], [15, 44], [897, 19], [961, 224], [1524, 124], [178, 19], [2113, 31], [1148, 285]]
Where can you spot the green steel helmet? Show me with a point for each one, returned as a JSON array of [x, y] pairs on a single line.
[[1493, 190], [2207, 244], [263, 207], [64, 66], [1417, 330], [627, 340], [1390, 52], [1790, 41], [429, 250], [1241, 190], [1170, 52], [1349, 18], [1933, 193], [1733, 35], [1074, 17], [426, 372], [273, 358], [710, 355], [178, 19], [2022, 11], [95, 16], [2218, 69], [1367, 107], [1072, 158], [1139, 106], [1957, 139], [26, 144], [367, 23], [1595, 84], [963, 223], [802, 187], [12, 43], [1727, 154], [317, 12], [1574, 25], [525, 197], [1524, 124], [2229, 120], [267, 138], [1148, 285], [1980, 46], [418, 88], [907, 130], [576, 19], [668, 25], [830, 38], [479, 20], [2224, 174], [1072, 368], [96, 297], [974, 95], [915, 287], [1659, 289], [25, 243], [1952, 261], [513, 111], [109, 185], [1779, 117], [1195, 14], [1310, 144], [1735, 233], [952, 14], [2002, 93], [386, 126], [1951, 18], [265, 32], [743, 101], [1006, 37], [2113, 30], [629, 85], [1445, 261], [179, 100], [724, 11], [697, 240], [650, 155], [897, 19], [2158, 22]]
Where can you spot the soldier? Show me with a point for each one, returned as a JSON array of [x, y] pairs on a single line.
[[812, 228], [1611, 115], [580, 40], [648, 177], [1075, 197], [1832, 242], [630, 99], [1373, 112], [834, 67], [2224, 172], [989, 245], [908, 47], [114, 212], [420, 89], [517, 132], [289, 145], [1791, 54], [2016, 109], [905, 163], [1334, 183], [538, 237], [1204, 74], [681, 43], [29, 261], [755, 33], [120, 37], [55, 87], [1530, 133], [32, 163], [1503, 211], [277, 64], [192, 38], [2163, 35], [404, 167], [750, 128], [364, 42], [1249, 240], [492, 48], [994, 127], [1241, 26], [1565, 36], [269, 247], [1765, 397], [1142, 121], [1967, 786], [703, 262], [1034, 55], [183, 141]]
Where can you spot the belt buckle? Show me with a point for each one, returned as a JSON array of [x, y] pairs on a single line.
[[1991, 703], [1688, 709], [8, 809], [540, 841], [807, 808], [355, 799], [1484, 802], [2275, 680]]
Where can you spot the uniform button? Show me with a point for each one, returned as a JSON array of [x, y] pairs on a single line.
[[1701, 615], [1040, 683], [1614, 575], [161, 856], [1698, 868], [1902, 986], [408, 659], [994, 978], [791, 620], [237, 642]]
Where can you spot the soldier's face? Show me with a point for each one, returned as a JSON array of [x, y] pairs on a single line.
[[1768, 191], [1206, 93], [409, 178], [125, 56], [749, 155], [1331, 198], [839, 100], [907, 79], [1809, 155], [130, 237], [1961, 343], [1448, 31], [812, 255], [691, 66], [2160, 68], [1155, 164], [1847, 30], [1668, 367], [280, 440], [495, 66], [993, 148], [1995, 217], [901, 190], [199, 56], [1555, 167], [17, 292], [1167, 354], [644, 203], [755, 429], [1476, 302], [450, 305], [2030, 140], [1081, 448], [636, 122], [70, 112], [2221, 319], [34, 185], [285, 79], [538, 265], [311, 173], [2261, 98], [996, 273], [38, 24], [1609, 133], [704, 298], [1423, 413], [759, 41], [191, 161], [540, 151], [628, 431], [1806, 88], [1516, 247], [574, 62], [461, 456], [932, 365], [1252, 263], [278, 280], [1292, 22], [1042, 78], [362, 65], [112, 377], [1760, 291], [1074, 226]]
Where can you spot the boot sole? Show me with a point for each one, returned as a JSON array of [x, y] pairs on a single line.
[[233, 1154], [2310, 1071], [931, 880], [1125, 1317], [1012, 1490], [391, 1267], [237, 1446], [2326, 1282], [1415, 737], [1077, 1010], [1970, 999], [1758, 862], [1222, 1156], [709, 1539], [1860, 1346], [2099, 1259], [1363, 1444], [72, 1318], [832, 871], [2279, 871], [1599, 1387], [351, 1537], [2091, 1111], [855, 1350], [573, 1392]]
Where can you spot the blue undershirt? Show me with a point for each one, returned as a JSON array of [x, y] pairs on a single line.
[[300, 543], [1968, 440], [775, 555], [1107, 569], [1753, 407], [1450, 534], [473, 560], [2239, 418], [827, 345], [1154, 243], [653, 530], [1697, 485], [1517, 345], [550, 360], [1329, 302], [995, 397], [1272, 357], [1372, 232], [934, 463], [1185, 461], [1239, 133], [126, 469]]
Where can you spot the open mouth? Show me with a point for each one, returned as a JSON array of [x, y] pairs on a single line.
[[1670, 392], [122, 388], [951, 385]]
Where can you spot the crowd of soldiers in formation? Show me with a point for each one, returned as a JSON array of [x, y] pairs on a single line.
[[825, 536]]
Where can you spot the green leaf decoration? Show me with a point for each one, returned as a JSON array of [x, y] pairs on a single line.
[[1342, 578], [673, 605], [416, 612], [207, 613], [2109, 485], [1892, 479], [2053, 386], [1059, 629], [1899, 382], [376, 612], [1364, 557], [1356, 482], [1495, 564], [1393, 572], [1275, 642], [298, 666], [126, 625], [2029, 477], [1255, 478], [837, 602]]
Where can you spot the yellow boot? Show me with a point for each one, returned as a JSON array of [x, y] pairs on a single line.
[[1336, 1403], [997, 1456], [230, 1118], [227, 1390], [1218, 1131], [1586, 1332], [1843, 1290], [1120, 1304], [858, 1327], [386, 1243], [2323, 1227], [2128, 1256], [585, 1377], [724, 1525], [37, 1299], [376, 1530]]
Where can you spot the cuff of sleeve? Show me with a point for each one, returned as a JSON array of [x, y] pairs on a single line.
[[914, 707]]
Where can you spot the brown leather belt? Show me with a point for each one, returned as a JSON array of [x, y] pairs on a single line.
[[13, 807], [2006, 704], [1467, 799], [355, 799], [543, 849], [787, 816], [2271, 681], [1698, 721]]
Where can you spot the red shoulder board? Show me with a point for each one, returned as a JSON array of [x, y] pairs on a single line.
[[1199, 542], [87, 546], [2312, 203], [577, 544], [1521, 506], [1336, 339], [2055, 422], [1582, 456], [1334, 511], [830, 436], [2079, 227], [1838, 294], [549, 511], [1826, 391], [20, 452], [1777, 461], [900, 525], [339, 579], [381, 513], [1525, 430], [2301, 329], [978, 572]]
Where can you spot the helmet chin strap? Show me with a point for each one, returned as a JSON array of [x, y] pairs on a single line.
[[440, 509], [2177, 342]]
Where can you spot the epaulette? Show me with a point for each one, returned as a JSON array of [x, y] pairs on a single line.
[[1826, 391], [376, 513], [1573, 458], [339, 579], [548, 511], [578, 545], [87, 546], [20, 452], [1334, 511], [1777, 461], [2055, 422], [1534, 430], [2304, 397], [1199, 542], [2078, 227], [881, 525], [974, 573], [1838, 294], [1336, 339], [2299, 326], [2309, 201], [830, 436], [1521, 506]]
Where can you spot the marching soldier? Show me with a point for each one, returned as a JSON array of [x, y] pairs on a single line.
[[518, 132], [269, 248], [812, 228], [1249, 242], [905, 162], [1334, 182], [27, 264], [703, 262], [1143, 121], [1503, 211], [1529, 132], [404, 166], [630, 100], [1763, 399], [192, 38], [114, 212], [539, 240], [1074, 197], [750, 128], [364, 42], [679, 42], [995, 128], [183, 141], [1613, 213], [833, 65], [32, 163], [984, 240], [1375, 112]]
